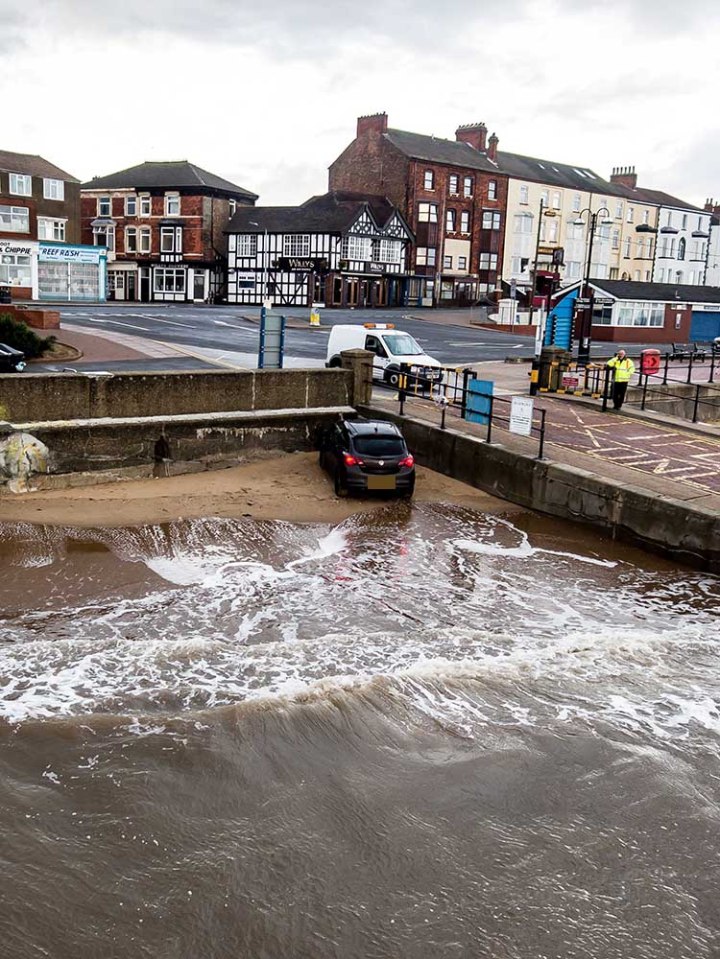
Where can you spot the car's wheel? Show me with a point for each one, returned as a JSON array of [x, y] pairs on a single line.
[[340, 488], [408, 492], [334, 363], [392, 377]]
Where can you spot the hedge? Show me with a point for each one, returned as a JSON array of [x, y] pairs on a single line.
[[19, 335]]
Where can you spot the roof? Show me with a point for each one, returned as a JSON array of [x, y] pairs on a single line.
[[361, 427], [33, 166], [333, 212], [554, 173], [173, 174], [663, 199], [436, 150], [656, 292]]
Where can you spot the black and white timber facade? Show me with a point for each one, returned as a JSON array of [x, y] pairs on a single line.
[[339, 249]]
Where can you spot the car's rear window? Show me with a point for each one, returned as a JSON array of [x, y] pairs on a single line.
[[380, 445]]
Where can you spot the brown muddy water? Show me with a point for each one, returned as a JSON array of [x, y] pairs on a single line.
[[425, 732]]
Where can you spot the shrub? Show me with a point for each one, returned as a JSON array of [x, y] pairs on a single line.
[[19, 335]]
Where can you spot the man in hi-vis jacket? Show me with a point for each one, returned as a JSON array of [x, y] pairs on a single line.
[[623, 368]]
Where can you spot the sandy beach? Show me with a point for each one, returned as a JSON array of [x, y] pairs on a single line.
[[287, 487]]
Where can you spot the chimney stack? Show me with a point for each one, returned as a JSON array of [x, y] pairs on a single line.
[[373, 125], [492, 147], [624, 176], [473, 134]]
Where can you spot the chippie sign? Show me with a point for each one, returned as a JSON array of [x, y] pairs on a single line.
[[72, 254], [18, 248]]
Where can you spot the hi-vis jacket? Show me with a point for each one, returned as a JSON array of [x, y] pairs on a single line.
[[624, 368]]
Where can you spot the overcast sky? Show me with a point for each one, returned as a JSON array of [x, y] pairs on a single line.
[[267, 94]]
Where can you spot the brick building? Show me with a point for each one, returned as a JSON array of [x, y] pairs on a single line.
[[40, 255], [163, 224], [451, 193]]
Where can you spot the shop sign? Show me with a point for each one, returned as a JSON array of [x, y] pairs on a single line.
[[373, 268], [301, 264], [18, 247], [246, 277], [73, 254]]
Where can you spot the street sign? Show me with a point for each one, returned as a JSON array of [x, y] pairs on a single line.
[[521, 415], [272, 340], [582, 304]]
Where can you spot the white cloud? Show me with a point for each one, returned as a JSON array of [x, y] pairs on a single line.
[[268, 96]]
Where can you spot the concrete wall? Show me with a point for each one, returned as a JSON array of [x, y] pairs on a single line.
[[681, 403], [687, 533], [40, 397]]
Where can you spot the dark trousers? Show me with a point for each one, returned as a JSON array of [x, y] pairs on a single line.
[[618, 394]]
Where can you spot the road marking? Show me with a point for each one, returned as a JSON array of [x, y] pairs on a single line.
[[157, 319]]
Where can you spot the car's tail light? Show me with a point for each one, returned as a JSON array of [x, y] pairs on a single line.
[[351, 460], [409, 461]]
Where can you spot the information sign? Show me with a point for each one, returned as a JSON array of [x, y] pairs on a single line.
[[521, 415]]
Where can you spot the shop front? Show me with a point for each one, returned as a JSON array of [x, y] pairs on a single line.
[[18, 268], [71, 272]]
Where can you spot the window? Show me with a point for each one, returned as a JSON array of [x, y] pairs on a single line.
[[488, 261], [556, 200], [104, 206], [169, 280], [247, 244], [492, 190], [145, 206], [427, 213], [453, 184], [104, 236], [53, 189], [426, 256], [130, 206], [684, 221], [572, 270], [630, 214], [14, 219], [172, 204], [390, 251], [576, 203], [681, 248], [490, 220], [447, 263], [646, 216], [232, 207], [522, 223], [170, 239], [429, 180], [15, 270], [450, 221], [51, 229], [144, 239], [462, 263], [545, 198], [524, 194], [20, 184], [641, 314], [616, 239], [626, 246], [131, 239], [549, 230], [296, 244], [465, 221], [467, 186], [352, 248], [602, 314], [619, 211]]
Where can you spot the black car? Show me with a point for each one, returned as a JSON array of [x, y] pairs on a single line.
[[11, 360], [367, 455]]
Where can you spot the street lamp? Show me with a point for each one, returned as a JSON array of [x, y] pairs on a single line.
[[263, 289], [544, 211], [585, 326]]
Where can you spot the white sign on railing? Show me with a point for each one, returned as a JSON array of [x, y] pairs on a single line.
[[521, 415]]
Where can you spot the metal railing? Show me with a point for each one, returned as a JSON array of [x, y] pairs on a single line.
[[452, 396], [695, 395]]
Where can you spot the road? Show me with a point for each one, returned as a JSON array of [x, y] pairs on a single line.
[[229, 334]]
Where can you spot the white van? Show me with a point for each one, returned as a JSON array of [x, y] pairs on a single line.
[[390, 347]]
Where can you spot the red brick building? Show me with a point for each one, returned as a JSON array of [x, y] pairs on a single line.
[[163, 225], [452, 194]]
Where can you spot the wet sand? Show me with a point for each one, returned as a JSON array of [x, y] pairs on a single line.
[[284, 487]]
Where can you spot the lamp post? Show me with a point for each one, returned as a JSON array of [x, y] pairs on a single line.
[[585, 326], [263, 289], [544, 211]]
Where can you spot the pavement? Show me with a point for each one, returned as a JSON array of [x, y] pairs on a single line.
[[678, 460]]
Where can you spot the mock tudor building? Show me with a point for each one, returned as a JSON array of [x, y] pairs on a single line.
[[163, 224], [340, 249], [451, 193], [40, 252]]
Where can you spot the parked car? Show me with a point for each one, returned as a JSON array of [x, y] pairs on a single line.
[[390, 347], [367, 455], [11, 360]]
